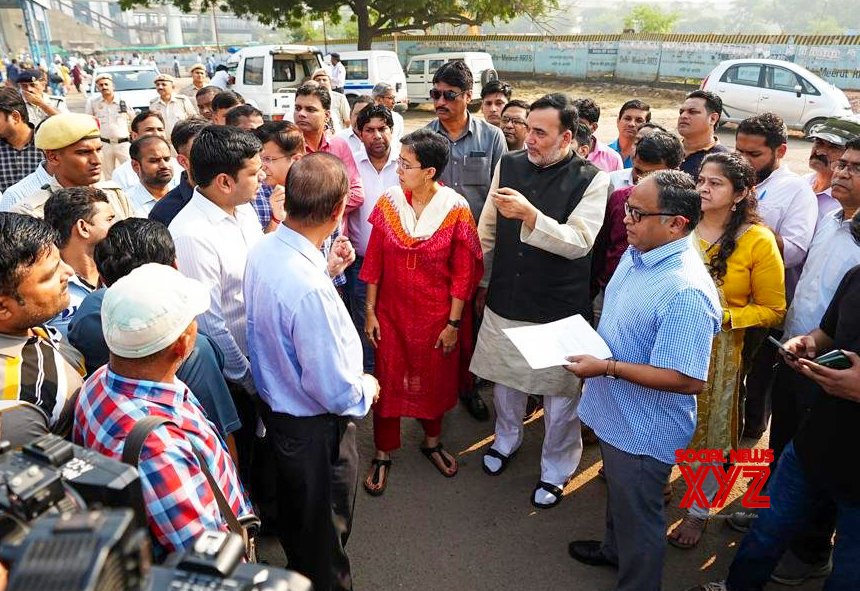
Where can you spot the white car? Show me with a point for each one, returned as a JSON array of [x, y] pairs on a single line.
[[364, 69], [419, 73], [752, 86], [133, 84]]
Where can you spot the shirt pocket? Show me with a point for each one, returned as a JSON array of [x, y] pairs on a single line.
[[476, 170]]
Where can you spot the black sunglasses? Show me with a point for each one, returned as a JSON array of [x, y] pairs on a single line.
[[448, 95]]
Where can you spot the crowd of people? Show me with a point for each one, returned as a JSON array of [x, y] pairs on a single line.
[[260, 285]]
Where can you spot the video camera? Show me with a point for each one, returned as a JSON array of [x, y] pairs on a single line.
[[73, 520]]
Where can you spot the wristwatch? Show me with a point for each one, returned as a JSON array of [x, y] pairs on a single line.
[[454, 323]]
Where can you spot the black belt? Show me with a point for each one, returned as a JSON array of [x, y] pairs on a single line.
[[119, 141]]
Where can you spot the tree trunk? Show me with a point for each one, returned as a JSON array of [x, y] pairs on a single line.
[[365, 33]]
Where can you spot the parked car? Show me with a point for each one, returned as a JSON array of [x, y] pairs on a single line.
[[420, 70], [752, 86], [364, 69], [133, 84], [268, 75]]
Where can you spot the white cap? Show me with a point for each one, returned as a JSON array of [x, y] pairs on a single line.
[[148, 309]]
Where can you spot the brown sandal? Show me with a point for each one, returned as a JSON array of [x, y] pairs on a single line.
[[447, 463], [378, 477], [692, 525]]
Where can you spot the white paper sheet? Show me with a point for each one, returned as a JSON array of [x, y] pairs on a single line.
[[547, 345]]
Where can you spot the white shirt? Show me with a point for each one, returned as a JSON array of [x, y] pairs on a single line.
[[352, 139], [221, 79], [618, 179], [397, 130], [338, 75], [125, 177], [28, 185], [788, 206], [340, 110], [141, 200], [375, 184], [826, 203], [212, 247], [832, 253]]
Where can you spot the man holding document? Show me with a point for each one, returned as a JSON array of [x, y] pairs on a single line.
[[543, 212], [660, 316]]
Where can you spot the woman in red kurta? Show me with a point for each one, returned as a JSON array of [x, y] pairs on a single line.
[[423, 262]]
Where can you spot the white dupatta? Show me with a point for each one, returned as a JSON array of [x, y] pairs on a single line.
[[433, 215]]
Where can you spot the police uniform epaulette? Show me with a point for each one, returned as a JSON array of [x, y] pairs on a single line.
[[108, 184]]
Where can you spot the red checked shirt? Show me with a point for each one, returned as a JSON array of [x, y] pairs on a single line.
[[179, 502]]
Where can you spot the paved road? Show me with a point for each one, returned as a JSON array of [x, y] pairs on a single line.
[[480, 533]]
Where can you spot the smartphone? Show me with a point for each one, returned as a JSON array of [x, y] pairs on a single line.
[[779, 346], [835, 359]]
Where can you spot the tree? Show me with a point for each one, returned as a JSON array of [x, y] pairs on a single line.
[[650, 19], [373, 17]]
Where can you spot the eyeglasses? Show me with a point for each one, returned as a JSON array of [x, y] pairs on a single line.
[[513, 121], [448, 95], [405, 165], [269, 159], [637, 214], [852, 168]]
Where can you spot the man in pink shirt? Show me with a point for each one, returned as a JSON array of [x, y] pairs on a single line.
[[601, 155], [313, 104]]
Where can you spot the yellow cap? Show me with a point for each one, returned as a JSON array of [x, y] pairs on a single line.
[[198, 67], [65, 129]]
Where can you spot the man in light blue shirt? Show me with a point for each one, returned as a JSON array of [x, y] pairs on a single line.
[[306, 360], [660, 316]]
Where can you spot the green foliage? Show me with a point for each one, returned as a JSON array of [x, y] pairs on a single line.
[[372, 17], [650, 19]]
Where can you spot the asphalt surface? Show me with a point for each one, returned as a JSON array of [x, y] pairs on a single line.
[[474, 532]]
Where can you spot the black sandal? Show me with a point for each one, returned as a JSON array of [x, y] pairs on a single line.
[[551, 489], [499, 456], [437, 449], [377, 468]]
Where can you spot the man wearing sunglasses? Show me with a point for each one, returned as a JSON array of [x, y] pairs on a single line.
[[475, 149], [660, 316]]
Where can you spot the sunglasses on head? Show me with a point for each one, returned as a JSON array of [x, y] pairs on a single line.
[[448, 95]]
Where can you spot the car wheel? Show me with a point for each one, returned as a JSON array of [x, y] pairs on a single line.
[[807, 129], [488, 76]]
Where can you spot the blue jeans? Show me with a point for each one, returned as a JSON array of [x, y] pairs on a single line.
[[357, 292], [793, 501]]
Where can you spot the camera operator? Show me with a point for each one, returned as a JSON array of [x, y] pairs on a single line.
[[41, 375], [148, 320]]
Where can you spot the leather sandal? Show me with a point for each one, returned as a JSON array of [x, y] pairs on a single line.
[[499, 456], [377, 466], [551, 489], [692, 524], [437, 449]]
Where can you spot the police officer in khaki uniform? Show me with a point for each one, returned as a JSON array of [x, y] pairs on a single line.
[[199, 79], [172, 106], [114, 121], [73, 147]]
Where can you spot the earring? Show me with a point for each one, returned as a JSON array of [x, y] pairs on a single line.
[[735, 207]]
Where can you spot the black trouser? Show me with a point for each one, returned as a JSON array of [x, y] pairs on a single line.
[[758, 359], [793, 396], [317, 476]]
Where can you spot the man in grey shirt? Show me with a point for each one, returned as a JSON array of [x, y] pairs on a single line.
[[475, 149]]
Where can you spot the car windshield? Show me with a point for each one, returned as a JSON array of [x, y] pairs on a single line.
[[134, 79]]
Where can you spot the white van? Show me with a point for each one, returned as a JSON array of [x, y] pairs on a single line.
[[268, 75], [364, 69], [419, 73]]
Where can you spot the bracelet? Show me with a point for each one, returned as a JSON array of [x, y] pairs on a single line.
[[454, 323], [370, 307]]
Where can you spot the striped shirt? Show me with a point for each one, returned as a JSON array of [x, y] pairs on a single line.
[[212, 247], [178, 499], [661, 309], [44, 371], [28, 185]]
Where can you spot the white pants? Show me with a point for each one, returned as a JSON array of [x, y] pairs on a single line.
[[562, 442], [710, 487]]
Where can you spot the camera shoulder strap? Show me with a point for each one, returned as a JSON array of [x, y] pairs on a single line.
[[134, 441]]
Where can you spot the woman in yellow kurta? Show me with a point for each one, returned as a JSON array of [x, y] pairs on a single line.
[[743, 258]]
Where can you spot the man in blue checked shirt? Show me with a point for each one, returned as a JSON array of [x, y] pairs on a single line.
[[659, 319]]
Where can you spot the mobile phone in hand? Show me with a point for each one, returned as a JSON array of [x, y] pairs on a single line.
[[784, 351], [835, 359]]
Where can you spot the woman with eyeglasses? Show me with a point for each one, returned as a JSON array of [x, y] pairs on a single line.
[[742, 256], [423, 262]]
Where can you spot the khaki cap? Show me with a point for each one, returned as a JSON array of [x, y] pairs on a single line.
[[65, 129]]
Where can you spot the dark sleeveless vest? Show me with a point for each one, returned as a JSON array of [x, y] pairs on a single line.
[[529, 284]]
